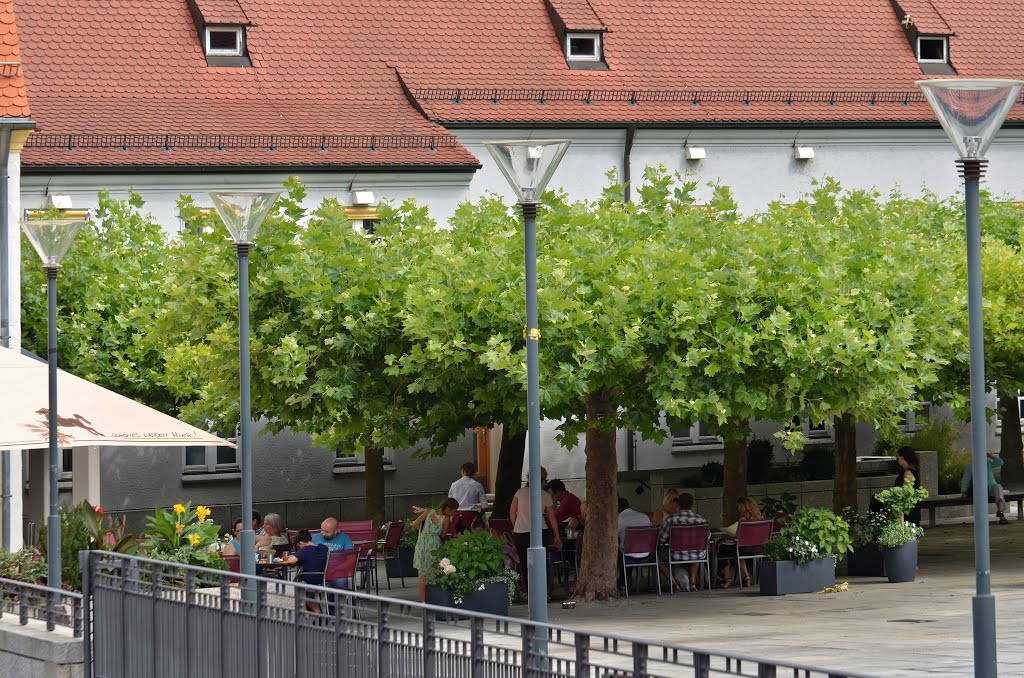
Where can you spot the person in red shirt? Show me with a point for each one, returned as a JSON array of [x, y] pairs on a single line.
[[568, 503]]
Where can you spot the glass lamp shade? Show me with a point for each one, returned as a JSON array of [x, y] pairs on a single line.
[[51, 238], [971, 111], [243, 212], [528, 165]]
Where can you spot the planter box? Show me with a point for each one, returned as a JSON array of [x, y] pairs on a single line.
[[901, 562], [402, 567], [492, 600], [786, 576], [865, 561]]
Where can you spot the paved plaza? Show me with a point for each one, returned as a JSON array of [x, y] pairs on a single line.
[[916, 629]]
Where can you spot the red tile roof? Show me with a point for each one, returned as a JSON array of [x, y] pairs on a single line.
[[13, 102], [222, 12], [923, 15], [577, 15], [342, 67]]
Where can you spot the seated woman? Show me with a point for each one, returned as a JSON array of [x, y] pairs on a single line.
[[668, 507], [748, 510], [273, 526], [234, 547]]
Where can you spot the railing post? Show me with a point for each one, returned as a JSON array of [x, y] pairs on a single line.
[[582, 642], [190, 600], [529, 634], [85, 570], [766, 671], [476, 648], [383, 612], [430, 646], [640, 651], [260, 603], [338, 654], [23, 605], [701, 665], [157, 575], [225, 607], [299, 610]]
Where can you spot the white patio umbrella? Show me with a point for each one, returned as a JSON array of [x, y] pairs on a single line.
[[87, 414]]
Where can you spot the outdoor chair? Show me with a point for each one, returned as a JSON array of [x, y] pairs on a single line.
[[779, 521], [365, 541], [750, 537], [502, 525], [340, 565], [350, 526], [293, 532], [387, 549], [640, 540], [234, 565], [690, 538]]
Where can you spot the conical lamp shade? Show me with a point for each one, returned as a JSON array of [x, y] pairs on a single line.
[[51, 238], [243, 212], [528, 165], [971, 111]]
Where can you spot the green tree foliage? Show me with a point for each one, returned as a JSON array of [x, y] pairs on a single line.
[[109, 288]]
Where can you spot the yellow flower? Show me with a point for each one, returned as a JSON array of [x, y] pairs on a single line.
[[202, 512], [178, 528], [179, 509], [195, 539]]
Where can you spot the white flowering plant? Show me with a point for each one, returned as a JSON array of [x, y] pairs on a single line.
[[468, 562], [809, 534], [899, 533]]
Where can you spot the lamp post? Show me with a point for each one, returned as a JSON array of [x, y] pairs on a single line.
[[243, 212], [528, 166], [51, 239], [971, 112]]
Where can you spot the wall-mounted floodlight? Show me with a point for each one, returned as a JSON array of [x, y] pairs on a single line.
[[694, 152], [803, 152]]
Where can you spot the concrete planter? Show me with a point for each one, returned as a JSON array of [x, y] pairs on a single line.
[[777, 578], [901, 562], [402, 567], [493, 599], [865, 561]]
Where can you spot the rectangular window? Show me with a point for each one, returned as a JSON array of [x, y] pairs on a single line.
[[211, 458], [224, 41], [693, 435], [815, 432], [932, 50], [66, 466], [916, 419], [583, 46]]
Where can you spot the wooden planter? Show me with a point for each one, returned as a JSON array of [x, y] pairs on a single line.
[[777, 578]]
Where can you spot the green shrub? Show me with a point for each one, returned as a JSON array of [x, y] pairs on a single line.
[[74, 537], [818, 463], [816, 533], [865, 528], [760, 454], [887, 443], [25, 565], [901, 500], [898, 533], [183, 535], [784, 503], [942, 436]]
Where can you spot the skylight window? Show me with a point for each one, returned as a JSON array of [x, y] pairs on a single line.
[[583, 46], [933, 50], [224, 41]]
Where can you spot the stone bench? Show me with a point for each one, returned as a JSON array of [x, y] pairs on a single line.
[[956, 500]]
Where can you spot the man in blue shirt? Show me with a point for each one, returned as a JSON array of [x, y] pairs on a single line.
[[995, 490], [331, 538]]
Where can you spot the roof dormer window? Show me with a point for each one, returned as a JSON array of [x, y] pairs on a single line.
[[583, 47], [227, 41], [933, 49]]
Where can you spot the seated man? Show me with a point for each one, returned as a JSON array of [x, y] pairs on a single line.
[[684, 515], [330, 536], [629, 518], [568, 503], [995, 490]]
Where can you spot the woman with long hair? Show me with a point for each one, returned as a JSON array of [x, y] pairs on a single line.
[[748, 510]]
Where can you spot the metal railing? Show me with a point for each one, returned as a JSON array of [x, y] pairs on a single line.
[[33, 602], [151, 619]]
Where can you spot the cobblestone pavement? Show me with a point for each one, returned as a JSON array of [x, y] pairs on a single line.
[[921, 628]]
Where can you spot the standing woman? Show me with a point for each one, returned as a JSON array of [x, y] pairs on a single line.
[[519, 514], [431, 524], [906, 457]]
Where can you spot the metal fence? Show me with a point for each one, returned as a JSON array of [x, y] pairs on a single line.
[[151, 619], [32, 602]]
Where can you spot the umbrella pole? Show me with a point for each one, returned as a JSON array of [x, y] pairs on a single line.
[[53, 547]]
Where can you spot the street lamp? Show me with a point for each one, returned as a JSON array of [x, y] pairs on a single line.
[[971, 112], [51, 239], [528, 166], [243, 213]]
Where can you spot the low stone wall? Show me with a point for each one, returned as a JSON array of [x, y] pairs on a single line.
[[31, 651]]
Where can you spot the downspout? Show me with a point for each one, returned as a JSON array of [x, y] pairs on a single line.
[[5, 314], [627, 153]]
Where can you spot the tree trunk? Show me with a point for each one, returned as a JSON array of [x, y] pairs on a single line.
[[1011, 447], [509, 477], [375, 484], [844, 489], [600, 538], [734, 483]]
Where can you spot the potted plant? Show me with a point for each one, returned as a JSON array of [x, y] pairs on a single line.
[[403, 567], [865, 560], [780, 507], [898, 538], [802, 558], [471, 575]]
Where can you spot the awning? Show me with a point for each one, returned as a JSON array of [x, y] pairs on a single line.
[[87, 414]]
